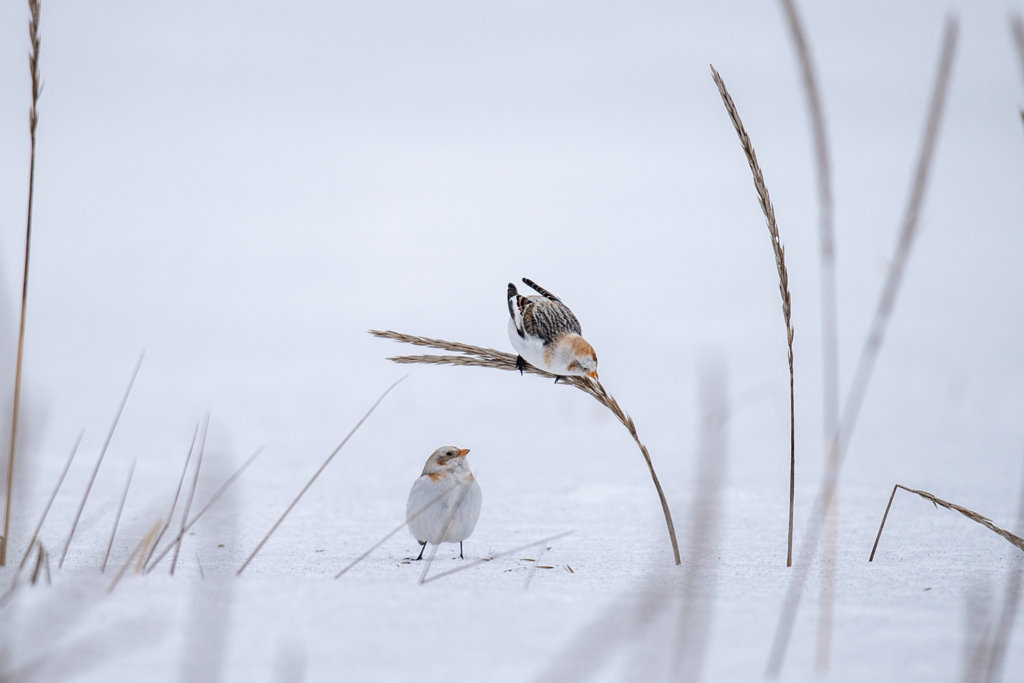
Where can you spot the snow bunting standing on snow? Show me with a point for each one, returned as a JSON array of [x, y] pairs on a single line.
[[547, 335], [447, 475]]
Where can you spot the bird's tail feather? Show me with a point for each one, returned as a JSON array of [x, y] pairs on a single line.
[[513, 293], [540, 290]]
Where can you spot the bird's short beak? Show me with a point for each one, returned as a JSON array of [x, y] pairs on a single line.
[[464, 452], [593, 375]]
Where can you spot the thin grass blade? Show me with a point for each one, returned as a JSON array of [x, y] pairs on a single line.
[[99, 460], [310, 483]]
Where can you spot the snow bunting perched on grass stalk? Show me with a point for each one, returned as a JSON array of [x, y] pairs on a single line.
[[547, 334], [451, 496]]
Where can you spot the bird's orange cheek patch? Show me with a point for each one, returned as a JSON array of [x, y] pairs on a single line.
[[436, 476]]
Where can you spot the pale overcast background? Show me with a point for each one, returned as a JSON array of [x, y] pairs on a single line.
[[242, 189]]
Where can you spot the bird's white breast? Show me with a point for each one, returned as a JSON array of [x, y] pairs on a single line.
[[429, 524]]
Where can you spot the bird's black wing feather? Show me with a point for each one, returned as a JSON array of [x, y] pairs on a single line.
[[549, 320]]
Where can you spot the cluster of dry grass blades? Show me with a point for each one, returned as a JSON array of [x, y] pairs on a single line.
[[839, 441]]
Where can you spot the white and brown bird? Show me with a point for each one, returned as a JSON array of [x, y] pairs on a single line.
[[444, 503], [547, 335]]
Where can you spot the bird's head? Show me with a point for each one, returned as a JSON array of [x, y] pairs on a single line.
[[446, 459], [584, 358]]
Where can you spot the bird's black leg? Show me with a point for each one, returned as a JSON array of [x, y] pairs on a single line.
[[460, 551], [423, 546], [520, 365], [558, 377]]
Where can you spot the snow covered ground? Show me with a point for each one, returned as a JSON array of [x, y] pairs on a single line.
[[243, 189]]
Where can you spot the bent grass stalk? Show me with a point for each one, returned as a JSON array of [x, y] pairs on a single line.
[[479, 357], [33, 120], [780, 265], [317, 474], [938, 502], [829, 323], [869, 354]]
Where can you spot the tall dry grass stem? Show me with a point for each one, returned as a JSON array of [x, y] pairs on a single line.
[[869, 354], [1017, 31], [780, 265], [938, 502], [1011, 597], [99, 460], [479, 357], [826, 219], [317, 474], [42, 518], [632, 619], [829, 318], [33, 120], [53, 497], [506, 553], [213, 499], [191, 492], [397, 529], [117, 517], [696, 604], [177, 492], [977, 631]]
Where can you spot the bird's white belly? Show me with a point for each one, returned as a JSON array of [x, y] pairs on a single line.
[[428, 525], [529, 347]]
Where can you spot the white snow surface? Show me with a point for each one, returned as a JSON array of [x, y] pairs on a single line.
[[244, 189]]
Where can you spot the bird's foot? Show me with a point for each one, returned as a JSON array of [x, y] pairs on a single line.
[[558, 377], [520, 365]]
